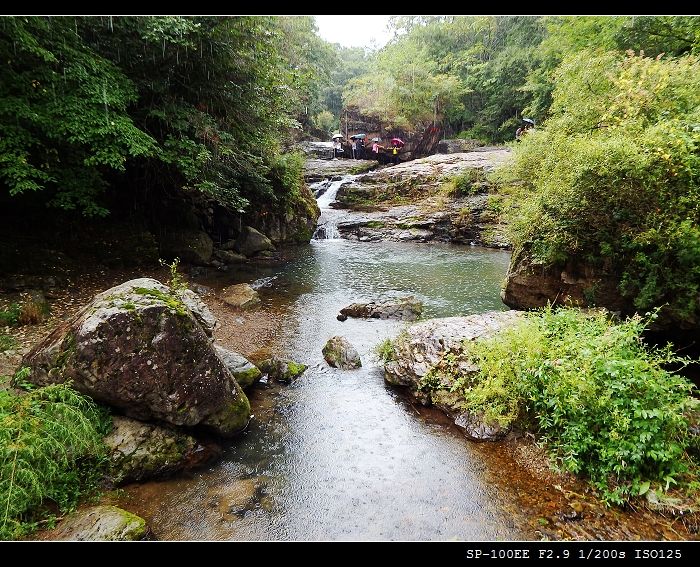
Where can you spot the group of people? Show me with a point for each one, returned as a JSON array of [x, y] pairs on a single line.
[[359, 150]]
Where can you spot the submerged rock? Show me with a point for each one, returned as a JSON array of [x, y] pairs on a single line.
[[405, 308], [100, 523], [340, 353], [240, 295], [244, 371], [140, 451], [282, 369], [421, 346], [238, 496], [140, 348], [251, 242]]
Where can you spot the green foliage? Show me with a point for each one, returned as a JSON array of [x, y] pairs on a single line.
[[10, 317], [51, 451], [613, 176], [7, 342], [385, 351], [176, 282], [468, 182], [605, 405], [197, 103]]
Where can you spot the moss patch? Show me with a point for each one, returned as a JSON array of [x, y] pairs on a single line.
[[170, 301]]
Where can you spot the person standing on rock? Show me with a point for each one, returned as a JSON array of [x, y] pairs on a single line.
[[354, 149]]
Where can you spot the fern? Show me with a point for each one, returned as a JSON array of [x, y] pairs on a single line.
[[51, 451]]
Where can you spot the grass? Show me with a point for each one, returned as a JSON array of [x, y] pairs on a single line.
[[51, 454], [7, 342]]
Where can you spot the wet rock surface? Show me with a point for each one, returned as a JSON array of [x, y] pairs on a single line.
[[405, 309], [242, 296], [339, 353], [140, 451], [100, 523], [414, 201]]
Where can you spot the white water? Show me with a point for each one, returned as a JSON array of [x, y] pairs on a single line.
[[328, 222]]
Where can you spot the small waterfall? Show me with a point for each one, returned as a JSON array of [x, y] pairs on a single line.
[[327, 228]]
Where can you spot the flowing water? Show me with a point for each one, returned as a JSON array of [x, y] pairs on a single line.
[[338, 454]]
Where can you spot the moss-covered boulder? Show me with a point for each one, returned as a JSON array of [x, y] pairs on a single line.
[[140, 348], [140, 451], [282, 369], [100, 523], [339, 353], [244, 371]]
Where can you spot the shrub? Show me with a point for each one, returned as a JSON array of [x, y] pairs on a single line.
[[614, 177], [10, 316], [385, 351], [51, 451], [605, 404]]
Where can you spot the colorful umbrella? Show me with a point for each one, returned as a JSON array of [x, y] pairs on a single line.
[[398, 142]]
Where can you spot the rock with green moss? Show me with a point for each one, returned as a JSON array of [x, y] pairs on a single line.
[[339, 353], [100, 523], [282, 369], [140, 451], [140, 348], [244, 371]]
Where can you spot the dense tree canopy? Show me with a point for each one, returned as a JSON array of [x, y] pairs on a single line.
[[478, 76], [195, 102]]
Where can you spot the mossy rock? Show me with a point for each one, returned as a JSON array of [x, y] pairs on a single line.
[[282, 369]]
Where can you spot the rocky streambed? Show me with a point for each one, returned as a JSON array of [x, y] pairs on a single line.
[[444, 197]]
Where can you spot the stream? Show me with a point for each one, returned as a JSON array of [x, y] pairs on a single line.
[[338, 455]]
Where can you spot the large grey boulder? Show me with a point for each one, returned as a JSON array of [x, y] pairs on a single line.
[[140, 451], [191, 246], [140, 348], [100, 523], [421, 346], [340, 353], [404, 308], [244, 371], [251, 242]]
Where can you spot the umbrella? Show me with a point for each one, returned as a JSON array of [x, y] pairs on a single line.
[[358, 136], [336, 136], [529, 121], [376, 139], [398, 142]]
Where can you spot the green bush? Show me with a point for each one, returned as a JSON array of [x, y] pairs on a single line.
[[606, 405], [10, 317], [51, 451], [614, 177]]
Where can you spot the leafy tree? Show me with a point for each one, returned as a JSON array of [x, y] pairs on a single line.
[[612, 178]]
